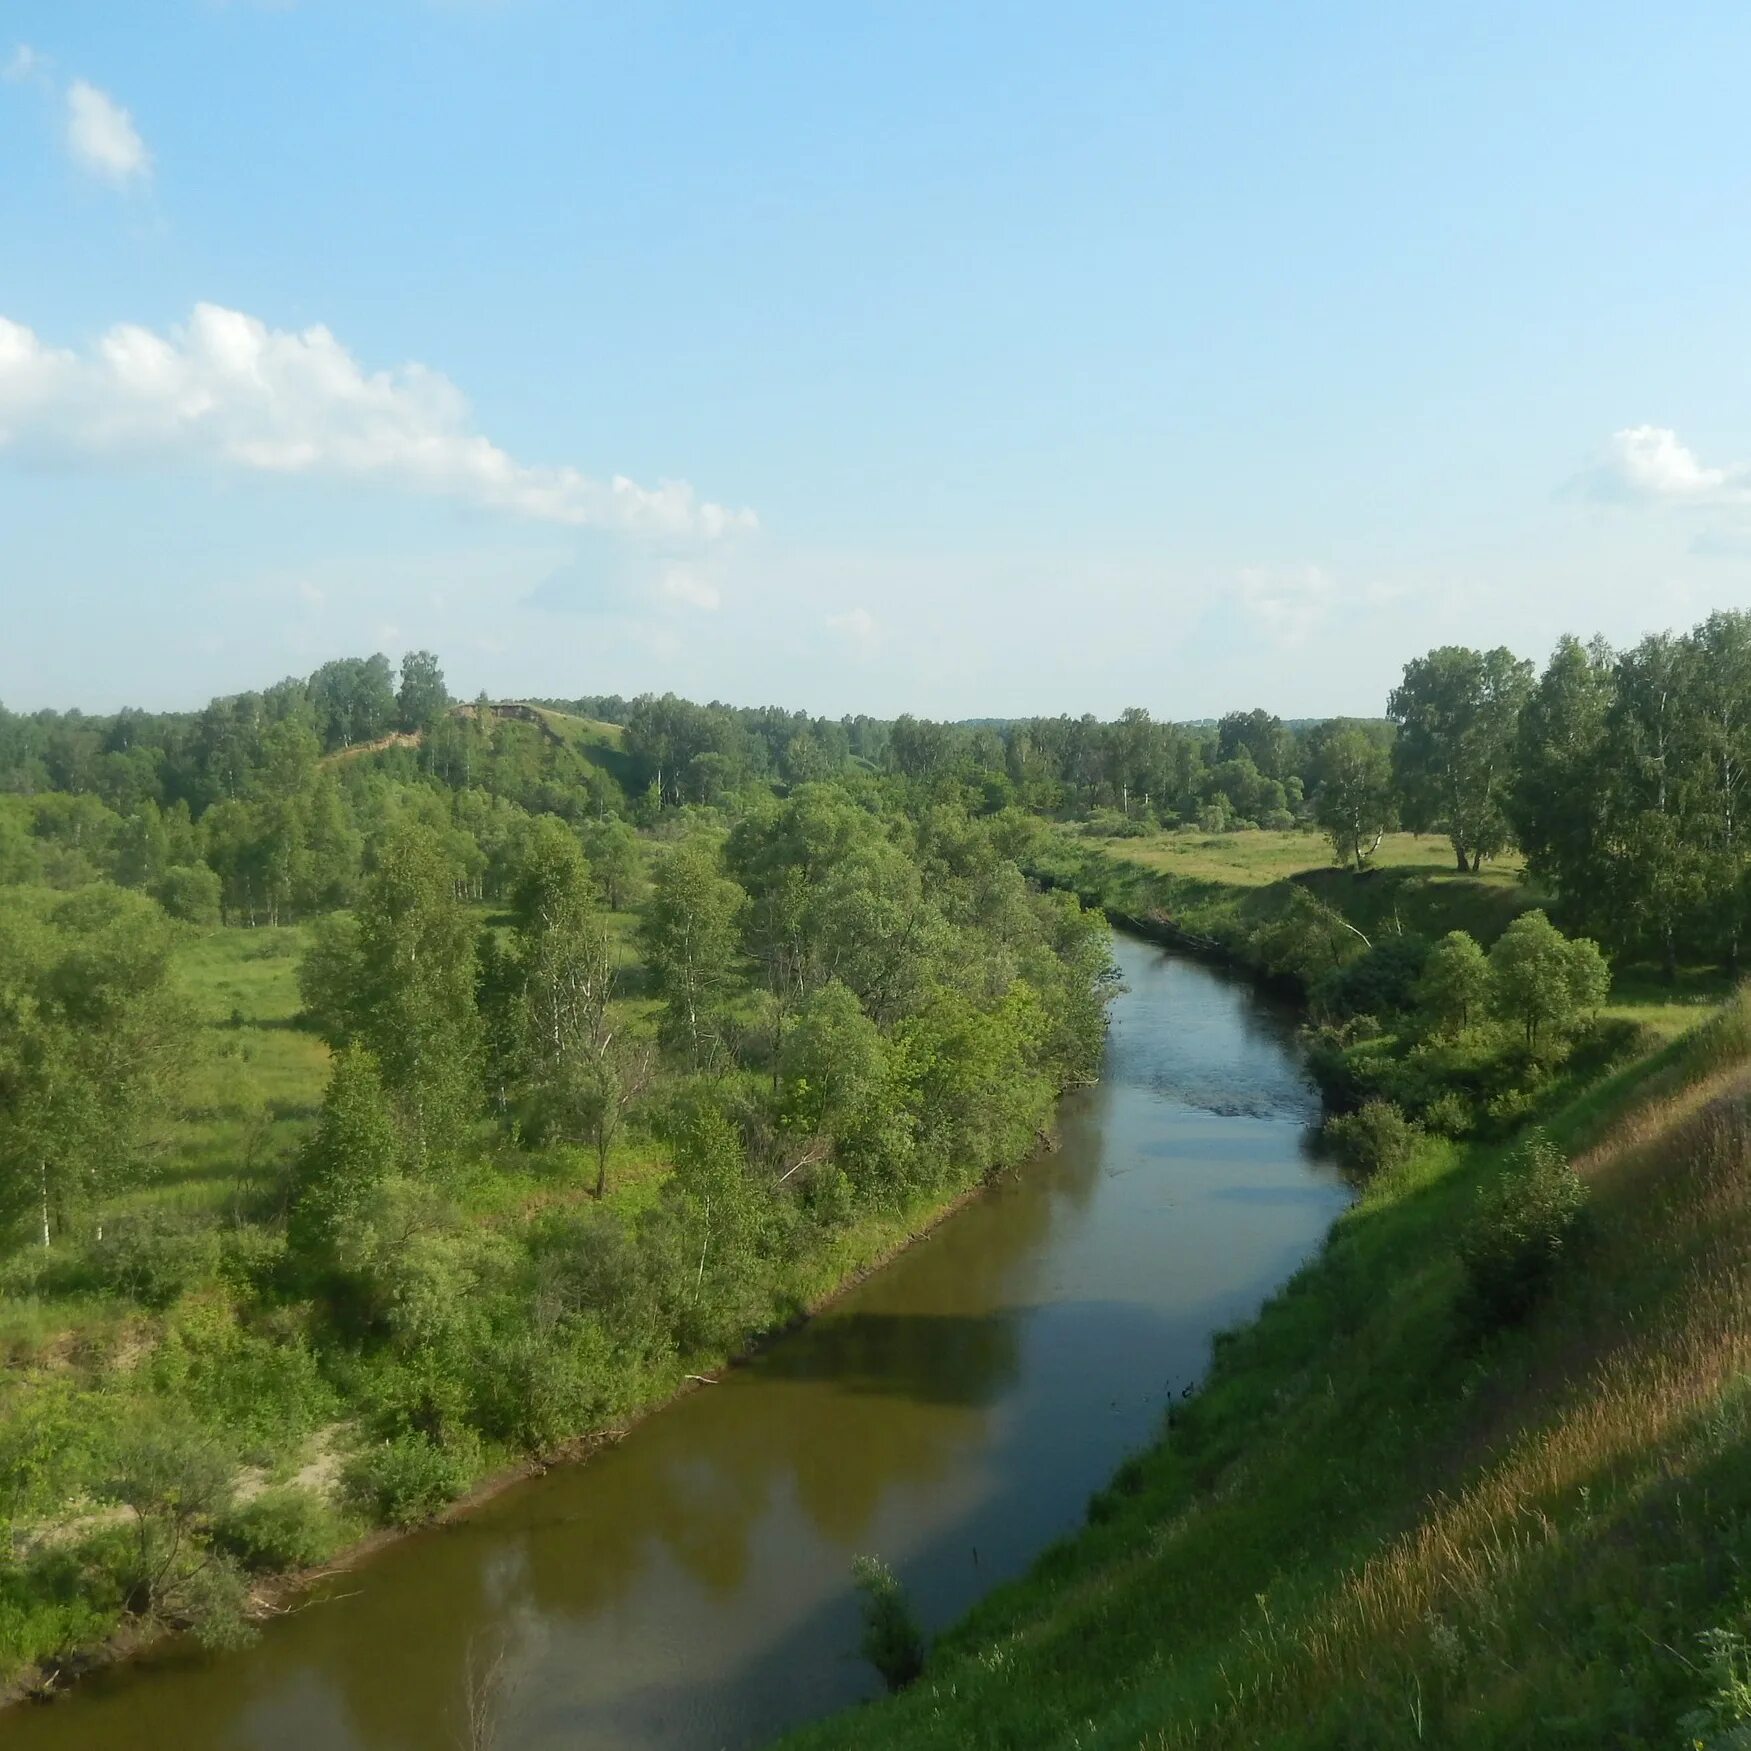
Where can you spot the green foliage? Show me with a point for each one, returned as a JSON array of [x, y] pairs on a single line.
[[690, 939], [260, 1391], [189, 892], [94, 1038], [1375, 1139], [153, 1256], [1542, 980], [1457, 713], [355, 1149], [1722, 1720], [1382, 981], [1353, 799], [1523, 1226], [406, 1479], [893, 1641], [176, 1480], [281, 1530], [409, 998], [1454, 985]]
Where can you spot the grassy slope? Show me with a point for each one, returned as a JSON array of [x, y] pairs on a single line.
[[602, 743], [1371, 1528]]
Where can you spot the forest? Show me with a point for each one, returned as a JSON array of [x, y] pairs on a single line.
[[394, 1088]]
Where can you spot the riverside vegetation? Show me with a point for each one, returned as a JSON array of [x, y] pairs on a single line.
[[643, 1023]]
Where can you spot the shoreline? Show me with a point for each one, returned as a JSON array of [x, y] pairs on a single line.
[[48, 1686]]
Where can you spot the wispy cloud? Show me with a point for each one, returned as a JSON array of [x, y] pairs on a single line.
[[687, 586], [227, 389], [1650, 464], [1286, 603], [857, 626], [21, 64], [102, 137]]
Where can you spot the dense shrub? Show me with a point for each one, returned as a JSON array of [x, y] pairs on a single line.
[[266, 1391], [281, 1529], [154, 1256], [893, 1642], [1375, 1138], [190, 892], [534, 1390], [1522, 1227], [1382, 981], [407, 1479], [1449, 1115]]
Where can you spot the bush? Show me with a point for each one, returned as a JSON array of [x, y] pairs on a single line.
[[403, 1481], [266, 1391], [1449, 1115], [1523, 1225], [155, 1256], [1375, 1138], [281, 1529], [534, 1391], [1382, 981], [189, 891], [893, 1643]]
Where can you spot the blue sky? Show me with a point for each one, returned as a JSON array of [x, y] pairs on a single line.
[[959, 359]]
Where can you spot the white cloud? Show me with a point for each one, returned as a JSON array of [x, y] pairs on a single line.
[[1651, 464], [683, 584], [857, 625], [1286, 603], [226, 388], [23, 63], [102, 137]]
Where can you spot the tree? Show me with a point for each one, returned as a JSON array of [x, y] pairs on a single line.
[[1542, 979], [1557, 800], [719, 1222], [1454, 984], [355, 1148], [1353, 801], [602, 1090], [1718, 791], [565, 960], [422, 697], [615, 861], [1652, 870], [411, 998], [93, 1040], [691, 942], [1457, 713], [1260, 735]]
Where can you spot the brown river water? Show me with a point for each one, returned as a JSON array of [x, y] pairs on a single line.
[[690, 1588]]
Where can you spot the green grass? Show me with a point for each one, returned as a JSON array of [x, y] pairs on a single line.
[[604, 744], [259, 1076], [1372, 1528]]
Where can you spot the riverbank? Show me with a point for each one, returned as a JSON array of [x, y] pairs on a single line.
[[691, 1585], [871, 1245], [1229, 896], [1380, 1522]]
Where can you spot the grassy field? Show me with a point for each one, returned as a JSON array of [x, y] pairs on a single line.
[[1225, 887], [1377, 1524]]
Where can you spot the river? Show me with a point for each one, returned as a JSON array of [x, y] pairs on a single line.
[[689, 1588]]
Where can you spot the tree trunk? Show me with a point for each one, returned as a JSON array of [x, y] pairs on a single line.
[[1463, 861]]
